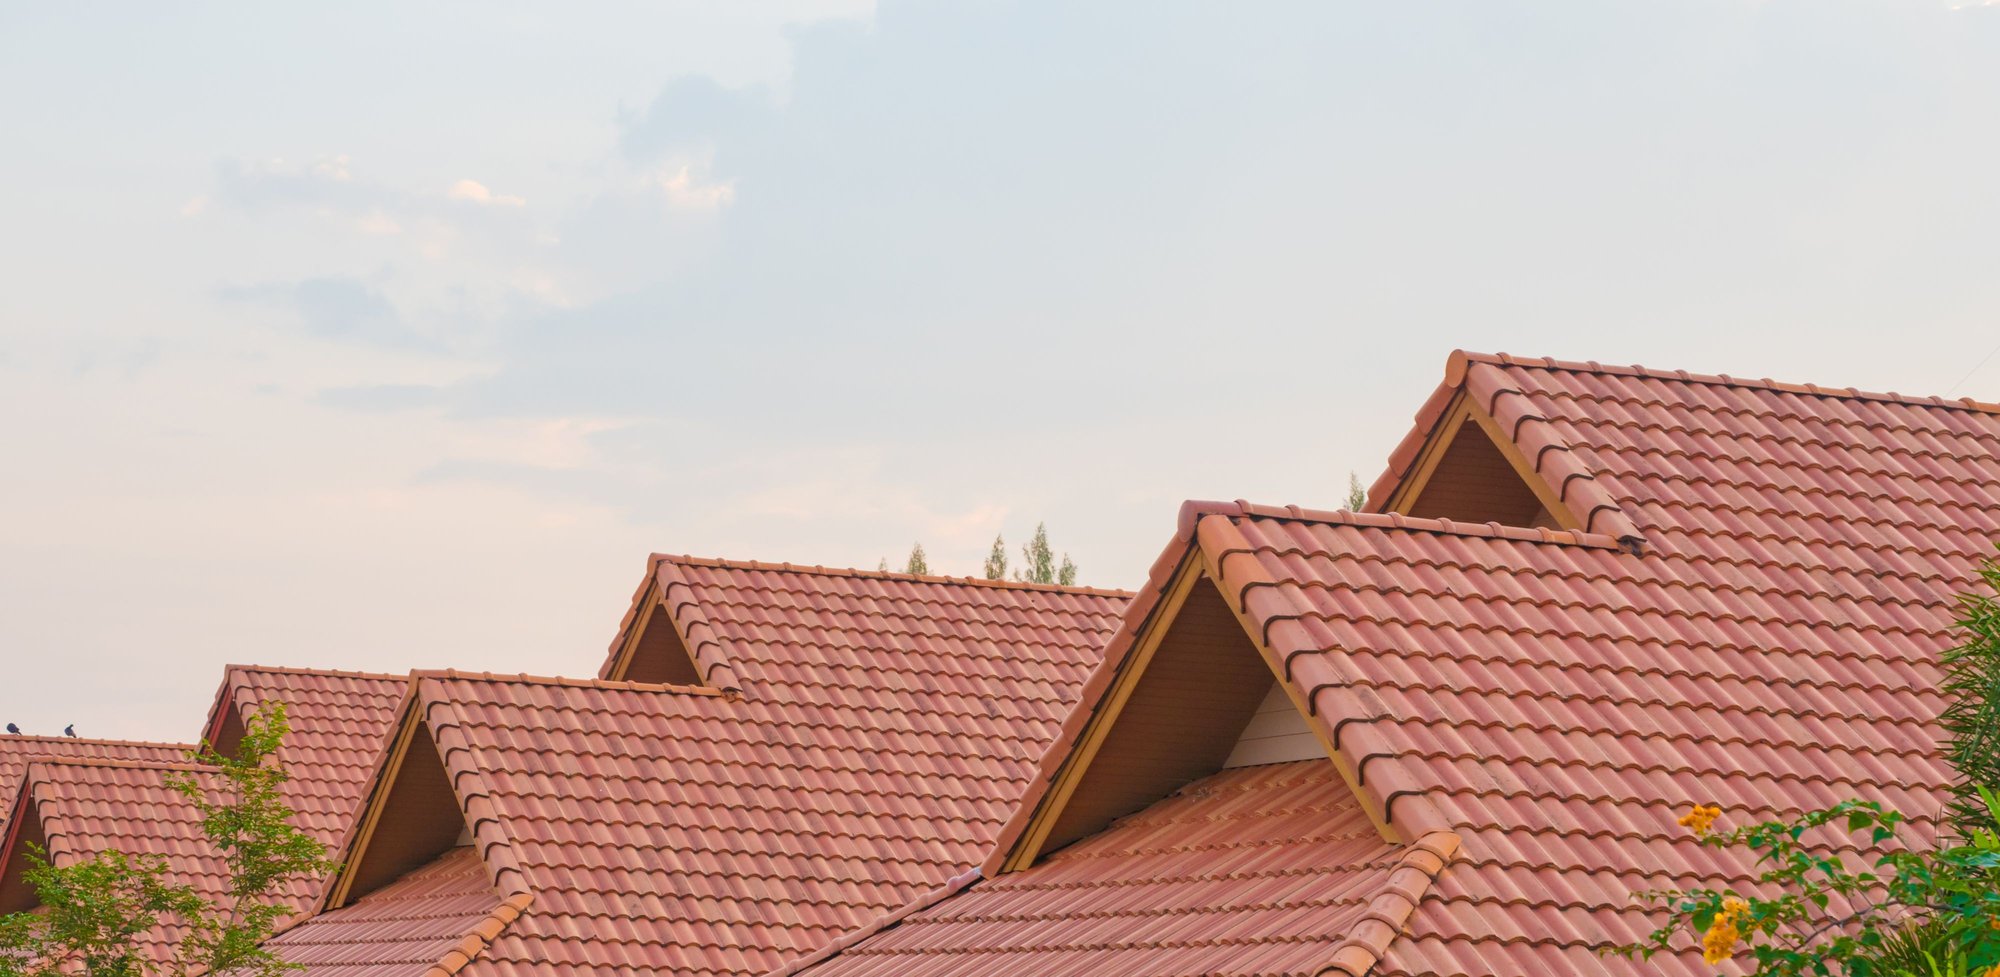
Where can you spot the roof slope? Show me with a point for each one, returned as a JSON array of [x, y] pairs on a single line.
[[1556, 706], [878, 731], [419, 921], [1256, 870], [16, 751], [339, 722], [84, 807], [1554, 699]]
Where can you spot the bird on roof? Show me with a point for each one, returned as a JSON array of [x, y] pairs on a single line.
[[70, 730], [16, 730]]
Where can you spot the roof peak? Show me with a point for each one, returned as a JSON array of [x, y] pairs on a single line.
[[522, 678], [322, 672], [825, 571], [1193, 510], [33, 738], [1461, 360]]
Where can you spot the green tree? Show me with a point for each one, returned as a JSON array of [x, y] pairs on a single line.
[[93, 911], [1040, 558], [1357, 497], [996, 559], [1971, 716], [917, 563]]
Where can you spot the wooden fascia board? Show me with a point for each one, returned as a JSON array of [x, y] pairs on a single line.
[[1442, 433], [647, 605], [218, 714], [1523, 469], [1461, 409], [378, 799], [1349, 773], [23, 808], [1071, 774]]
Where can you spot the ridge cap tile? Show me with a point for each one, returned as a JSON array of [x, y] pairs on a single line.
[[860, 573], [1554, 365]]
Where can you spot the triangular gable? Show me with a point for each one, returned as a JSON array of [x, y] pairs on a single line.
[[24, 828], [665, 638], [1172, 711], [1480, 453], [77, 808], [426, 797], [17, 750], [1213, 651]]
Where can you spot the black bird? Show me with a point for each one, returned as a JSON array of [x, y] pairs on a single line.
[[16, 730], [70, 730]]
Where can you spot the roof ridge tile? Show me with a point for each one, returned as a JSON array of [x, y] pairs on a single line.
[[1409, 881], [319, 672], [826, 571], [33, 738], [523, 678], [1722, 379]]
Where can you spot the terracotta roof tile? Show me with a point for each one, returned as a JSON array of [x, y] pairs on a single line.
[[883, 728], [89, 806], [87, 803], [339, 722], [431, 921], [1554, 702], [1263, 870], [17, 751]]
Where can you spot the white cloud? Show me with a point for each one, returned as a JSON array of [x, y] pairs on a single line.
[[559, 444], [542, 286], [377, 222], [477, 192], [685, 192], [194, 206], [333, 168]]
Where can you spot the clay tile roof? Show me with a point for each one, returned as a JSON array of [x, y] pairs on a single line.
[[85, 806], [89, 796], [430, 922], [772, 611], [17, 751], [1552, 702], [339, 721], [1258, 870], [883, 728]]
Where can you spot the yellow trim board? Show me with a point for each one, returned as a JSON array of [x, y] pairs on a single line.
[[1073, 768], [1251, 630], [647, 605], [378, 799], [1453, 421], [1512, 452], [1439, 440]]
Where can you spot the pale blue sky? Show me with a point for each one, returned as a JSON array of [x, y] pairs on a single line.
[[385, 335]]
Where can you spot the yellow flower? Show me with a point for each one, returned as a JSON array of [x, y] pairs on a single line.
[[1719, 943], [1700, 818]]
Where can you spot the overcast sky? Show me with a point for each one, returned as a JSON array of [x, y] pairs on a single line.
[[392, 335]]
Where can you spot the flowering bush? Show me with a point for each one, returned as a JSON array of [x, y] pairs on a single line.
[[1813, 911]]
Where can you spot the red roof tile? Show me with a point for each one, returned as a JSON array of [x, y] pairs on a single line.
[[1266, 870], [1554, 700], [84, 807], [88, 804], [339, 721], [16, 751], [883, 727], [433, 919]]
